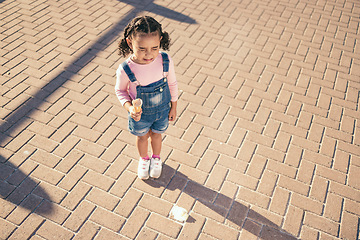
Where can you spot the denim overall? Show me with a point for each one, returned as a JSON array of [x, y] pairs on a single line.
[[156, 97]]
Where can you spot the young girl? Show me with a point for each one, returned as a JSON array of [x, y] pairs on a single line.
[[147, 74]]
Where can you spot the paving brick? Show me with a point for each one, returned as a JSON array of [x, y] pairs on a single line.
[[246, 151], [282, 169], [20, 140], [216, 178], [194, 174], [8, 228], [293, 156], [49, 192], [306, 171], [351, 206], [135, 223], [309, 233], [90, 147], [254, 198], [53, 212], [7, 208], [155, 205], [293, 220], [344, 191], [68, 162], [210, 210], [62, 134], [147, 233], [333, 207], [207, 162], [45, 158], [76, 195], [270, 153], [184, 158], [272, 128], [200, 145], [47, 174], [265, 217], [317, 158], [321, 223], [271, 233], [267, 183], [103, 199], [308, 204], [341, 161], [280, 201], [353, 181], [42, 129], [242, 179], [174, 189], [112, 152], [88, 230], [28, 227], [173, 142], [79, 216], [192, 231], [348, 228], [128, 202], [237, 215], [107, 219], [198, 191], [319, 188], [250, 231], [282, 141], [50, 230], [155, 222], [219, 231], [122, 185], [93, 163], [108, 234]]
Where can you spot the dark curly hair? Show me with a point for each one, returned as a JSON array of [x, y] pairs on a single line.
[[144, 24]]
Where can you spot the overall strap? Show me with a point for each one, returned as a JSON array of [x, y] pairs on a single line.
[[128, 72], [165, 58]]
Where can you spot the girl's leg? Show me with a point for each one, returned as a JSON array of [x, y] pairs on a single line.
[[156, 142], [144, 161], [142, 145], [155, 165]]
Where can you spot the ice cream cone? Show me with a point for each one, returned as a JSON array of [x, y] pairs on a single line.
[[137, 103]]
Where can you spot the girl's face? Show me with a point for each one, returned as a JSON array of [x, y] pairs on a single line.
[[145, 47]]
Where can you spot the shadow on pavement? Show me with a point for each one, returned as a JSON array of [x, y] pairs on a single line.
[[21, 190], [160, 10], [239, 214]]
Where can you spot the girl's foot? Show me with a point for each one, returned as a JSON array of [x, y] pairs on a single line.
[[143, 168], [155, 167]]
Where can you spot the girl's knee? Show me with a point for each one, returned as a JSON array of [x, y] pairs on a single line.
[[155, 135], [144, 137]]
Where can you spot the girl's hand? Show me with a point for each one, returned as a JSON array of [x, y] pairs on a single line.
[[172, 114], [135, 115]]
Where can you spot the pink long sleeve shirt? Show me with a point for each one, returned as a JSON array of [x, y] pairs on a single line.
[[145, 75]]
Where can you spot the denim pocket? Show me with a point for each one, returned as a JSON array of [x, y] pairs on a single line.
[[154, 96]]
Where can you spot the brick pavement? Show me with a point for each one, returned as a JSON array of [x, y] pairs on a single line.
[[266, 146]]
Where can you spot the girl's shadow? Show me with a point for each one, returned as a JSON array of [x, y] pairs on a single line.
[[239, 214]]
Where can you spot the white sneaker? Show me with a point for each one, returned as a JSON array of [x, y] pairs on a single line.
[[155, 167], [143, 168]]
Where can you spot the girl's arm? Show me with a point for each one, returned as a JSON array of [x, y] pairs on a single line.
[[122, 86], [121, 90]]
